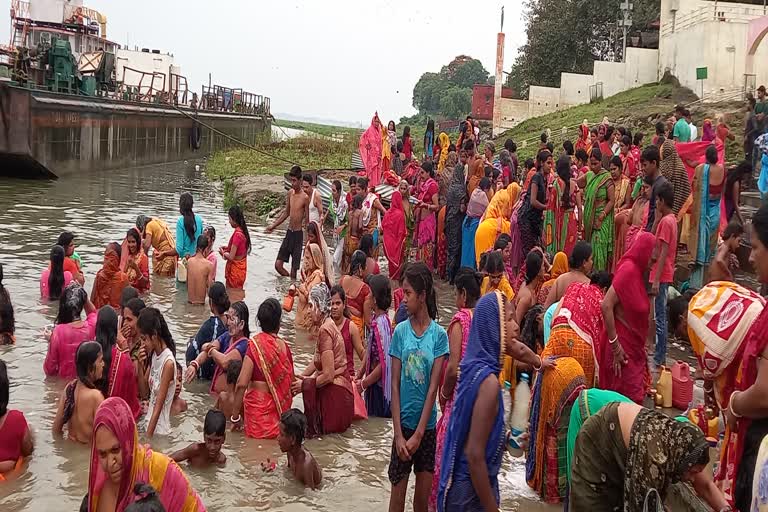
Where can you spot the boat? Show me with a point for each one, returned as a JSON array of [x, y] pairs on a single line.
[[71, 100]]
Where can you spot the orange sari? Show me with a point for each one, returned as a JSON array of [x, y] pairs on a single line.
[[262, 410], [109, 283]]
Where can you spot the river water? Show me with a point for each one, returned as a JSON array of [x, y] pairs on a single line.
[[99, 208]]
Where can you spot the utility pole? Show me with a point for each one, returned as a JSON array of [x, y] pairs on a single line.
[[626, 8]]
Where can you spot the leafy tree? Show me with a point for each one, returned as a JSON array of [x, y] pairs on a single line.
[[449, 93], [569, 35], [456, 102]]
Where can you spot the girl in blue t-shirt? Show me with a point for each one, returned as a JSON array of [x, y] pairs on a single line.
[[419, 347]]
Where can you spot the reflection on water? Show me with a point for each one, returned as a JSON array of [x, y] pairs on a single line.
[[99, 208]]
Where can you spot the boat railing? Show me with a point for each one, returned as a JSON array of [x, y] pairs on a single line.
[[227, 99]]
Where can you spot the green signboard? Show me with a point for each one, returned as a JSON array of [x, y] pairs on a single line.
[[701, 73]]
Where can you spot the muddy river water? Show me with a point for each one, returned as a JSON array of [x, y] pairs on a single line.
[[99, 208]]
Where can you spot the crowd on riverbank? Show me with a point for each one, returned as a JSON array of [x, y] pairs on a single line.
[[554, 272]]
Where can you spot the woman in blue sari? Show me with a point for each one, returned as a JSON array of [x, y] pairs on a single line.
[[474, 443], [708, 184], [478, 202]]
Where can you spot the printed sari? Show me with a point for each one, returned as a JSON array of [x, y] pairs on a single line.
[[705, 223], [379, 395], [109, 283], [236, 270], [312, 274], [482, 358], [122, 381], [395, 233], [262, 410], [595, 201], [554, 393], [140, 465], [454, 218], [142, 262], [559, 267], [426, 226], [560, 224], [162, 240], [632, 326], [494, 223]]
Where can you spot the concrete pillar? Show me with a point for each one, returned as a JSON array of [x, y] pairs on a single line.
[[498, 83]]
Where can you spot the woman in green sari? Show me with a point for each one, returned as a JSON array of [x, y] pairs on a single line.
[[405, 193], [599, 199]]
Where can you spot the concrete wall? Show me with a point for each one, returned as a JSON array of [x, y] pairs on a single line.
[[574, 89], [612, 75], [542, 100], [513, 112]]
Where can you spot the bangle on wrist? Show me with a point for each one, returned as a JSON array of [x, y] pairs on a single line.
[[541, 363], [442, 395], [235, 420], [195, 364], [731, 404], [614, 340]]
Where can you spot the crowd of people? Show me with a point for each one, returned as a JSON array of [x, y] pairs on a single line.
[[562, 266]]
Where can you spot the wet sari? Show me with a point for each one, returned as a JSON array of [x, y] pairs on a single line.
[[494, 223], [236, 270], [122, 381], [632, 327], [142, 262], [109, 283], [454, 218], [395, 233], [161, 240], [140, 465], [560, 224], [482, 358], [312, 275], [426, 225], [262, 411], [705, 222], [595, 201]]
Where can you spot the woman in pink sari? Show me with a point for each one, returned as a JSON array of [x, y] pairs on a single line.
[[395, 232], [426, 215], [370, 148], [119, 377], [623, 360], [119, 462]]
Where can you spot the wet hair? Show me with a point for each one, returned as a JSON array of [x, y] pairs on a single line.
[[638, 138], [580, 254], [71, 303], [215, 423], [469, 281], [132, 233], [202, 243], [233, 371], [148, 500], [56, 275], [429, 168], [5, 388], [85, 357], [485, 184], [616, 160], [603, 279], [596, 153], [295, 172], [734, 228], [568, 147], [136, 305], [760, 224], [581, 154], [406, 132], [308, 179], [269, 315], [419, 277], [533, 263], [666, 193], [676, 308], [218, 297], [381, 291], [294, 424], [210, 232], [357, 202], [358, 261], [152, 323], [241, 310], [650, 154], [337, 185], [185, 208], [494, 262], [65, 238], [236, 214], [502, 241], [366, 245], [711, 154], [106, 336], [564, 172], [128, 293]]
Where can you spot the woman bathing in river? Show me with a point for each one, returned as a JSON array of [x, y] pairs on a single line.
[[81, 397]]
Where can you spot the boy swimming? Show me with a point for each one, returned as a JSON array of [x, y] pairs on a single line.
[[293, 425], [209, 451]]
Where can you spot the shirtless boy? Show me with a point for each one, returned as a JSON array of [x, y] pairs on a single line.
[[199, 273], [209, 451], [293, 425], [81, 397], [726, 253], [226, 399], [297, 210]]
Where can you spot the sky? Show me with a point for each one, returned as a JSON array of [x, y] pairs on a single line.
[[334, 59]]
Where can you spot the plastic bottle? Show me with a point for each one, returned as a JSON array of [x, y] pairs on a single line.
[[507, 398], [664, 387], [519, 419]]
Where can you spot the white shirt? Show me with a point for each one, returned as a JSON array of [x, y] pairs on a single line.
[[314, 213], [163, 426], [694, 132]]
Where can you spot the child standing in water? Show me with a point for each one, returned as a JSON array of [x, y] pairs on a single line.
[[419, 348], [209, 451], [293, 426], [226, 399], [179, 405]]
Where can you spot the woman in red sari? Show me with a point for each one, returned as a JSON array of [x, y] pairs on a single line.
[[623, 360], [561, 226], [119, 377], [134, 261], [110, 280], [426, 215], [394, 232], [264, 386], [235, 253]]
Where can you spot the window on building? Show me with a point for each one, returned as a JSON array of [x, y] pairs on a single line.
[[487, 98]]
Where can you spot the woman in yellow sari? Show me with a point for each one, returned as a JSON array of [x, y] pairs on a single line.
[[157, 235], [312, 274], [444, 142], [623, 210], [493, 223], [559, 267]]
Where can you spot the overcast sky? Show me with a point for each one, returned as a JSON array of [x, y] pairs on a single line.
[[332, 59]]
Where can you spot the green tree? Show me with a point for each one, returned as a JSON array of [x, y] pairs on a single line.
[[448, 94], [456, 102]]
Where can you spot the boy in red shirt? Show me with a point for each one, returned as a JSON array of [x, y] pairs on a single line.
[[662, 271]]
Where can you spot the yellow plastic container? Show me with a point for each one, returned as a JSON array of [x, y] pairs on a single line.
[[664, 387]]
